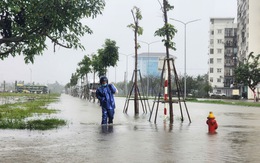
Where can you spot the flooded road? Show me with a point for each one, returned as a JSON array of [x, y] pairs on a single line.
[[135, 139]]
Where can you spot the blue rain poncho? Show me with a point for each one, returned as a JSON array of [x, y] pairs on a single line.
[[105, 94]]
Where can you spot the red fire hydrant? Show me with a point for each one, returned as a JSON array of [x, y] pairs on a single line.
[[212, 123]]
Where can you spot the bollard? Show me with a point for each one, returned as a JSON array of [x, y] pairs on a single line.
[[212, 123]]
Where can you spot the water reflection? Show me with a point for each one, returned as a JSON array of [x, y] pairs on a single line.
[[105, 129]]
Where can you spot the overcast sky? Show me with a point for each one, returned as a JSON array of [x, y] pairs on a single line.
[[112, 24]]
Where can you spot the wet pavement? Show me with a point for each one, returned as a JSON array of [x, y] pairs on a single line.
[[135, 139]]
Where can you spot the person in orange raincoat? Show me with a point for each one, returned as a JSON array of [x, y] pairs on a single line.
[[212, 123]]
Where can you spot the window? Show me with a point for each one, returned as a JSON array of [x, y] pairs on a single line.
[[219, 51], [211, 70], [229, 32], [228, 61], [219, 41], [219, 31], [211, 51], [219, 60], [218, 80], [211, 41], [229, 43], [211, 60], [211, 79], [227, 72], [235, 32], [228, 51], [219, 70], [212, 32]]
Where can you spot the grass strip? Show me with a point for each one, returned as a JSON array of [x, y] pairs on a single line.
[[15, 115]]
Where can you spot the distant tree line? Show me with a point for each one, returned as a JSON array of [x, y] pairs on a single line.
[[196, 86]]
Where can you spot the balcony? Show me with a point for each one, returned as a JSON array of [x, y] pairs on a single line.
[[228, 55], [230, 44]]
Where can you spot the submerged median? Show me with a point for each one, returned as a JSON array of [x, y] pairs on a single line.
[[225, 102], [28, 111]]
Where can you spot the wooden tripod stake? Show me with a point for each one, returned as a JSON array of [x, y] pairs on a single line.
[[158, 99], [142, 98]]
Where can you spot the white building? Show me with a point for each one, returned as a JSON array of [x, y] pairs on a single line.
[[248, 22], [222, 54]]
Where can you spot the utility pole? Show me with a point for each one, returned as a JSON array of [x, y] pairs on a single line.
[[126, 71], [185, 73], [148, 59]]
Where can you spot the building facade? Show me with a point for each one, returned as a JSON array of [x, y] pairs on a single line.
[[148, 63], [222, 54], [248, 34]]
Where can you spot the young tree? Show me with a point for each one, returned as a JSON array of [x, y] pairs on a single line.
[[167, 32], [97, 66], [136, 13], [73, 82], [67, 87], [248, 72], [109, 54], [106, 57], [25, 25], [84, 67], [74, 79], [83, 70]]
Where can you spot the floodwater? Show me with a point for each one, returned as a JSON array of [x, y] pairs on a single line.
[[135, 139]]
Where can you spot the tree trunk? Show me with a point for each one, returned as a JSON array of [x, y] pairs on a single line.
[[94, 82], [253, 90], [136, 103], [168, 63]]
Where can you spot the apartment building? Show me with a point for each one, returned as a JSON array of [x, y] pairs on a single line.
[[222, 54], [248, 34]]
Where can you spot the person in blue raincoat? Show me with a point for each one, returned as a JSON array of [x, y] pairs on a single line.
[[105, 94]]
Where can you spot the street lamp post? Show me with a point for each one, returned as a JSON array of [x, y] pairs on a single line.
[[185, 74], [147, 68], [126, 71]]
